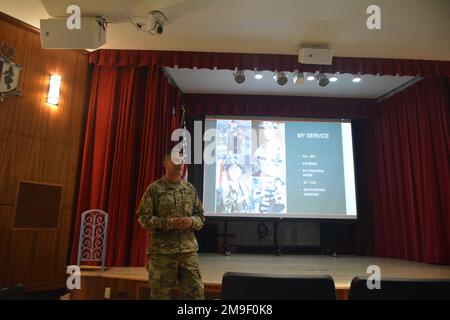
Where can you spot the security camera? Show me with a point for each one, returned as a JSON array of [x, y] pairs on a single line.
[[155, 23]]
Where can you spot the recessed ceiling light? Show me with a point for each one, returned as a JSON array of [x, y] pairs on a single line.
[[258, 75], [333, 78], [311, 77], [356, 79]]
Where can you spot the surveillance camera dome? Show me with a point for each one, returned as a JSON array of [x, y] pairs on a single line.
[[159, 29], [154, 23]]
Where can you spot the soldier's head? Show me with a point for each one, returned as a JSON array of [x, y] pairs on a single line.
[[173, 163], [234, 168]]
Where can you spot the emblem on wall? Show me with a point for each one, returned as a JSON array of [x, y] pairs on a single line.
[[9, 73]]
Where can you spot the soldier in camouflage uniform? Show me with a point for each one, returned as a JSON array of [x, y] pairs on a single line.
[[232, 195], [171, 210]]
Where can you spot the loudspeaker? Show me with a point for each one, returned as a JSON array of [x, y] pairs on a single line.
[[315, 56], [56, 35]]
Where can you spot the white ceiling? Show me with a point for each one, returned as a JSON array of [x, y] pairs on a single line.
[[207, 81], [411, 29]]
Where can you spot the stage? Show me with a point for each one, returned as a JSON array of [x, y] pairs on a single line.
[[131, 283]]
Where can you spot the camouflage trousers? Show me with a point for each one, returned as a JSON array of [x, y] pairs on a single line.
[[165, 269]]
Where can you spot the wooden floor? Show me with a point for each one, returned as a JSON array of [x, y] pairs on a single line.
[[343, 269]]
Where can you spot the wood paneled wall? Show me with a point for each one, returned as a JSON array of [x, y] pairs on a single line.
[[39, 143], [93, 288]]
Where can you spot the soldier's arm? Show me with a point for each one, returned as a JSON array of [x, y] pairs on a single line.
[[146, 213], [198, 219]]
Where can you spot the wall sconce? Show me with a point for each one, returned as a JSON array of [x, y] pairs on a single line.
[[54, 90]]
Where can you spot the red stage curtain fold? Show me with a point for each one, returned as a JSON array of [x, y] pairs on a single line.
[[128, 128], [156, 137], [272, 62], [411, 175]]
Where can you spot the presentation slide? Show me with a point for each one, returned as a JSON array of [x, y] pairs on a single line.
[[275, 167]]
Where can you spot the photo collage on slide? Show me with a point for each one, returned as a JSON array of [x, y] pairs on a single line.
[[250, 168]]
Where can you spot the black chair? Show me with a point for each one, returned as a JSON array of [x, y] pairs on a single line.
[[254, 286], [400, 289], [13, 293]]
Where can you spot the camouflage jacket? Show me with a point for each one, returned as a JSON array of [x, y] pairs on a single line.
[[162, 201]]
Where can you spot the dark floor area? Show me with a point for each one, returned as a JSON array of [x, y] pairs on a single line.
[[20, 293]]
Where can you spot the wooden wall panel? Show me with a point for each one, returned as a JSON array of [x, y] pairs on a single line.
[[42, 144], [93, 288]]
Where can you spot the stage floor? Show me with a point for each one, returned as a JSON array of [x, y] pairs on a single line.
[[343, 268]]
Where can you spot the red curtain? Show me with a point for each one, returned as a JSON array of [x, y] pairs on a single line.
[[279, 106], [411, 174], [272, 62], [128, 128]]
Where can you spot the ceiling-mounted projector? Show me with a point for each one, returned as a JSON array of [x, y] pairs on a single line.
[[315, 56], [56, 35]]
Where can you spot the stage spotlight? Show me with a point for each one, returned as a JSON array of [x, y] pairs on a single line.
[[311, 77], [356, 78], [298, 78], [333, 78], [239, 76], [322, 80], [258, 75], [281, 78]]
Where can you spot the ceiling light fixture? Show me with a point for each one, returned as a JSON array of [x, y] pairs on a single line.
[[281, 78], [333, 78], [239, 76], [298, 77], [311, 77], [258, 75], [322, 80], [357, 78]]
